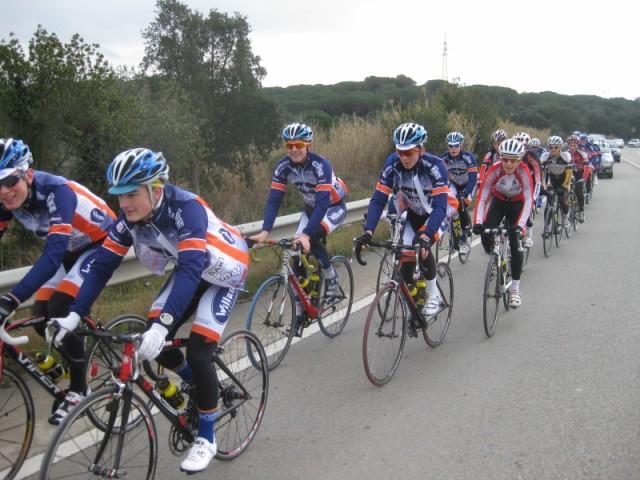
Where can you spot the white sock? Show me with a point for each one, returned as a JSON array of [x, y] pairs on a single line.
[[432, 287], [329, 273], [515, 286]]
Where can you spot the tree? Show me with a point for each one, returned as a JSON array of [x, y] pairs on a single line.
[[211, 59]]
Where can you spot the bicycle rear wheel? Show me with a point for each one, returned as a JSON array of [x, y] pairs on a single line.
[[333, 317], [384, 334], [17, 422], [444, 247], [243, 392], [491, 295], [438, 325], [270, 317], [547, 232], [80, 450]]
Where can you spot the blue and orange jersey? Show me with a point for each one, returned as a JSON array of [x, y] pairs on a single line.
[[184, 231], [317, 182], [63, 213], [424, 188], [463, 171]]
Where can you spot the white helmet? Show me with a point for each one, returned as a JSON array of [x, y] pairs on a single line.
[[511, 148], [522, 137], [554, 140], [535, 142]]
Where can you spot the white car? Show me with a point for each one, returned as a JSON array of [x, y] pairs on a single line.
[[634, 143]]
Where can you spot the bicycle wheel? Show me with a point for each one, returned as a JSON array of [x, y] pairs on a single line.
[[438, 325], [17, 421], [270, 317], [557, 229], [491, 295], [243, 392], [385, 269], [333, 317], [384, 335], [547, 232], [443, 247], [101, 358], [78, 449], [568, 230]]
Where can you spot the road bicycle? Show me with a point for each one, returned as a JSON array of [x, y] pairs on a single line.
[[272, 313], [497, 278], [553, 227], [572, 214], [17, 411], [112, 433], [396, 312], [450, 241]]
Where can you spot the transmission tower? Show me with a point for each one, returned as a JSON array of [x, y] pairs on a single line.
[[445, 73]]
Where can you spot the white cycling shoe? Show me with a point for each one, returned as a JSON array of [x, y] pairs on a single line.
[[464, 249], [200, 455], [527, 242], [432, 305], [515, 299]]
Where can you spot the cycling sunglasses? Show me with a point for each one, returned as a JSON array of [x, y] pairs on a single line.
[[11, 181], [298, 145], [407, 153]]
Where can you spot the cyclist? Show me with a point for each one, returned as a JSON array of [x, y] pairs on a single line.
[[324, 201], [73, 223], [536, 147], [421, 181], [533, 165], [167, 224], [491, 156], [580, 161], [510, 187], [463, 174], [558, 171]]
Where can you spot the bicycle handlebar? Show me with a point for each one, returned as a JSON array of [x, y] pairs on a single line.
[[5, 337], [388, 244], [287, 243]]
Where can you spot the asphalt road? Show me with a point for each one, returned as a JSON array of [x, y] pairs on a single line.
[[553, 395]]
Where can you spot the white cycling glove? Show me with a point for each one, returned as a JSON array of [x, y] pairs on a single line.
[[152, 341], [64, 326]]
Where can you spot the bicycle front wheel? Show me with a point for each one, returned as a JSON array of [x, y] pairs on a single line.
[[243, 392], [557, 229], [334, 316], [16, 423], [384, 335], [270, 317], [547, 232], [491, 295], [79, 449], [438, 325]]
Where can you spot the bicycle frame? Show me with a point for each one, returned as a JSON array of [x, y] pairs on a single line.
[[11, 351], [501, 249]]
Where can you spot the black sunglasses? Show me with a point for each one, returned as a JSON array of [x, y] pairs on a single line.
[[11, 181]]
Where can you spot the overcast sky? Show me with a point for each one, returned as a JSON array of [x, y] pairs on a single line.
[[562, 46]]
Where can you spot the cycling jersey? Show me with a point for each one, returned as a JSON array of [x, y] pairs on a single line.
[[316, 181], [508, 188], [463, 171], [558, 169], [68, 216], [183, 230], [424, 188], [581, 167]]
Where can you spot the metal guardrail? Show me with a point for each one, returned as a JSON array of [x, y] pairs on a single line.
[[130, 269]]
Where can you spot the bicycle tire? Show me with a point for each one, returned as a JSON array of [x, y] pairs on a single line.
[[464, 258], [491, 295], [15, 397], [443, 246], [557, 229], [275, 333], [547, 232], [244, 402], [334, 317], [76, 443], [385, 269], [391, 324], [438, 325]]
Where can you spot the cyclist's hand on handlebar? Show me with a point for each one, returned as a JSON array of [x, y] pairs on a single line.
[[359, 244], [478, 228], [304, 241], [8, 305], [257, 238], [517, 229], [152, 342], [425, 245], [60, 327]]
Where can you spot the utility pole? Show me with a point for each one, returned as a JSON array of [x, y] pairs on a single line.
[[445, 73]]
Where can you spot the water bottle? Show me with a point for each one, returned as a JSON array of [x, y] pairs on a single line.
[[50, 366], [457, 227], [314, 281], [171, 393], [421, 287]]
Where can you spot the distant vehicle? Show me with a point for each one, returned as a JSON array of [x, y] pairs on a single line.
[[619, 142], [606, 164], [634, 143], [597, 137], [615, 149]]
